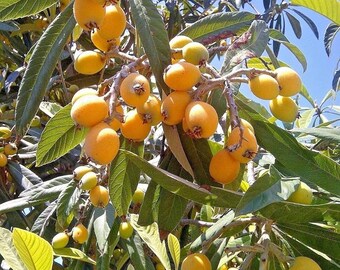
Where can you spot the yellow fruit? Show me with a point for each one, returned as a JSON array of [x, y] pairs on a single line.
[[83, 92], [151, 110], [89, 14], [138, 196], [223, 267], [289, 81], [3, 160], [80, 171], [36, 121], [178, 42], [134, 128], [125, 230], [10, 149], [223, 42], [264, 86], [103, 44], [73, 88], [247, 147], [99, 196], [80, 233], [304, 263], [60, 240], [160, 266], [89, 110], [101, 144], [201, 119], [223, 168], [182, 76], [284, 109], [113, 24], [89, 62], [88, 181], [135, 89], [5, 133], [195, 53], [115, 122], [244, 123], [173, 107], [303, 194], [196, 261]]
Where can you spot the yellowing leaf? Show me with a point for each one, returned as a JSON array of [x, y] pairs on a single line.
[[73, 253], [175, 249], [35, 252]]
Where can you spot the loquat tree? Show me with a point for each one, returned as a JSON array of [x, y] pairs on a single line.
[[140, 134]]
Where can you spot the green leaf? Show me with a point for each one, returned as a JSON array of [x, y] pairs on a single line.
[[329, 134], [14, 9], [40, 68], [8, 26], [310, 23], [59, 137], [219, 25], [327, 8], [305, 118], [73, 253], [175, 249], [30, 248], [267, 189], [50, 108], [124, 176], [218, 254], [8, 250], [330, 33], [295, 25], [147, 211], [43, 219], [151, 31], [304, 92], [279, 37], [134, 246], [150, 236]]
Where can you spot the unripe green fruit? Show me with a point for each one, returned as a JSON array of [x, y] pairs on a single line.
[[138, 196], [195, 53], [79, 172], [117, 253], [284, 108], [5, 133], [60, 240], [303, 194], [73, 88], [125, 230], [178, 42], [10, 149], [88, 181], [36, 121]]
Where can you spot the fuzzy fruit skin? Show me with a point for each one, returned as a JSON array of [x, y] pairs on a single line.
[[304, 263], [88, 181], [303, 194], [99, 196], [80, 234], [80, 171], [3, 160], [83, 92], [5, 133], [289, 81], [125, 230], [248, 148], [151, 110], [284, 108], [60, 240], [101, 143], [195, 53], [201, 119], [223, 168], [135, 89], [196, 261], [10, 149], [182, 76], [173, 107], [115, 123], [113, 24], [134, 128], [264, 86], [89, 110], [101, 43], [178, 42], [89, 14], [89, 62], [138, 196]]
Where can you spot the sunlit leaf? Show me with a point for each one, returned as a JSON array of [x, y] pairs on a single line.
[[175, 249], [73, 253], [305, 118], [330, 134], [103, 221]]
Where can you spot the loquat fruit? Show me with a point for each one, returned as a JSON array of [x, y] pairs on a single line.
[[125, 230], [5, 133], [196, 261], [135, 89], [80, 171], [89, 62], [89, 14], [99, 196], [195, 53], [284, 108], [10, 149], [134, 127], [113, 24], [60, 240], [289, 81], [80, 234], [102, 43], [264, 86], [303, 194], [244, 123], [88, 181], [304, 263], [83, 92], [115, 122], [178, 42], [173, 107], [3, 160], [151, 110], [138, 196]]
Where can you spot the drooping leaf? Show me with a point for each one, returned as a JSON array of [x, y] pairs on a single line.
[[152, 33], [134, 246], [281, 38], [175, 249], [30, 248], [151, 238], [327, 8], [73, 253], [218, 254], [124, 177], [330, 33], [330, 134], [43, 219], [219, 25], [8, 250], [310, 23], [40, 68], [14, 9], [147, 212], [336, 80], [295, 25]]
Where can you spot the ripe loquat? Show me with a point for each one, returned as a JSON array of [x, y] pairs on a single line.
[[83, 92], [102, 43], [135, 89], [304, 263], [99, 196], [134, 127], [151, 110], [289, 81], [195, 53], [196, 261], [89, 62], [10, 149], [303, 194], [264, 86], [89, 14], [284, 108], [178, 42], [243, 123], [60, 240], [115, 122], [113, 24], [80, 234], [3, 160]]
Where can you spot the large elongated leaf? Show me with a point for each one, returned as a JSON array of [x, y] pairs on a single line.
[[218, 25], [331, 31], [310, 23], [14, 9], [59, 137], [30, 248], [174, 249], [329, 134], [40, 68], [295, 25], [73, 253], [153, 35], [8, 251], [327, 8]]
